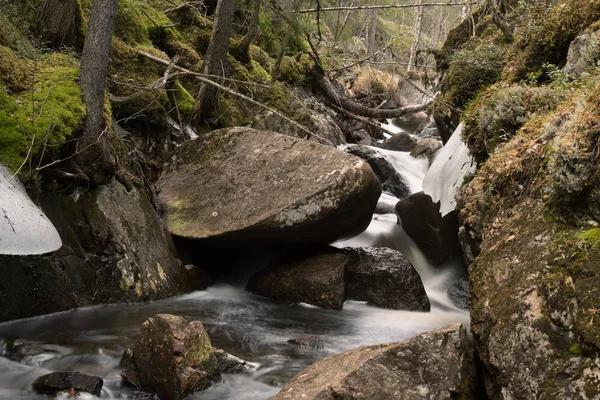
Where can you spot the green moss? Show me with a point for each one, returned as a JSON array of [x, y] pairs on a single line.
[[575, 349], [591, 236], [184, 100], [293, 70], [15, 73], [50, 115]]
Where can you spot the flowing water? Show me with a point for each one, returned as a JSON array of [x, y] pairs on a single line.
[[256, 329]]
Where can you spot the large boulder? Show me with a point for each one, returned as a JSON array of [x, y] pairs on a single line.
[[437, 237], [584, 54], [426, 148], [391, 181], [24, 228], [385, 278], [173, 357], [401, 141], [114, 250], [317, 280], [241, 186], [433, 365]]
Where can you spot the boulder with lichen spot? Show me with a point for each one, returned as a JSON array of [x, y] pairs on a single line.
[[244, 187]]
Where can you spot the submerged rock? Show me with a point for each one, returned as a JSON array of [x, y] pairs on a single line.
[[385, 278], [317, 280], [59, 381], [308, 342], [24, 228], [243, 187], [174, 358], [115, 250], [391, 181], [399, 142], [433, 365]]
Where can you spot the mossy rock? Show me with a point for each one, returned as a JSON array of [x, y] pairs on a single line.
[[15, 73], [47, 117], [500, 111]]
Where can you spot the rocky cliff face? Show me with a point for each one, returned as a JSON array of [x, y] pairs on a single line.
[[530, 211]]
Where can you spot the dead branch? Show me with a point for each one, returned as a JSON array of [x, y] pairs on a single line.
[[356, 8], [361, 60], [356, 108], [234, 93]]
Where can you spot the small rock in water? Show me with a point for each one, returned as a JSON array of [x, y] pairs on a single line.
[[59, 381], [128, 369], [309, 342], [459, 292], [230, 364]]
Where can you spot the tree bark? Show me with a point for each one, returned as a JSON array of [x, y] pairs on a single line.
[[356, 108], [59, 22], [216, 57], [499, 20], [252, 28], [412, 61], [95, 158], [371, 30]]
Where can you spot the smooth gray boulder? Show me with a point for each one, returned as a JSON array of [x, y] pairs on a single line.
[[24, 228], [244, 187], [433, 365], [401, 141]]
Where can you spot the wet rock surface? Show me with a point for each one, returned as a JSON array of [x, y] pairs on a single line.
[[391, 181], [422, 221], [433, 365], [173, 357], [399, 142], [230, 364], [385, 278], [59, 381], [317, 280], [308, 342], [244, 187], [426, 148], [114, 250], [459, 293]]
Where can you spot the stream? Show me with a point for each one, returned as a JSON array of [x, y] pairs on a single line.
[[91, 340]]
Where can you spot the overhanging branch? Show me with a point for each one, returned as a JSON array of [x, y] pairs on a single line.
[[356, 8]]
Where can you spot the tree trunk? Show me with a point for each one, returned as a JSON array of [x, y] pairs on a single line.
[[371, 30], [499, 20], [252, 28], [286, 40], [216, 57], [58, 22], [412, 62], [95, 158], [356, 108]]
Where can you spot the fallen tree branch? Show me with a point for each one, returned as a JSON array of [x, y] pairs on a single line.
[[233, 93], [361, 60], [361, 119], [445, 4], [356, 108]]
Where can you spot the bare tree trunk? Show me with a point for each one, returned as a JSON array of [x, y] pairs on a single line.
[[95, 158], [371, 30], [498, 17], [418, 28], [286, 40], [216, 56], [252, 28]]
